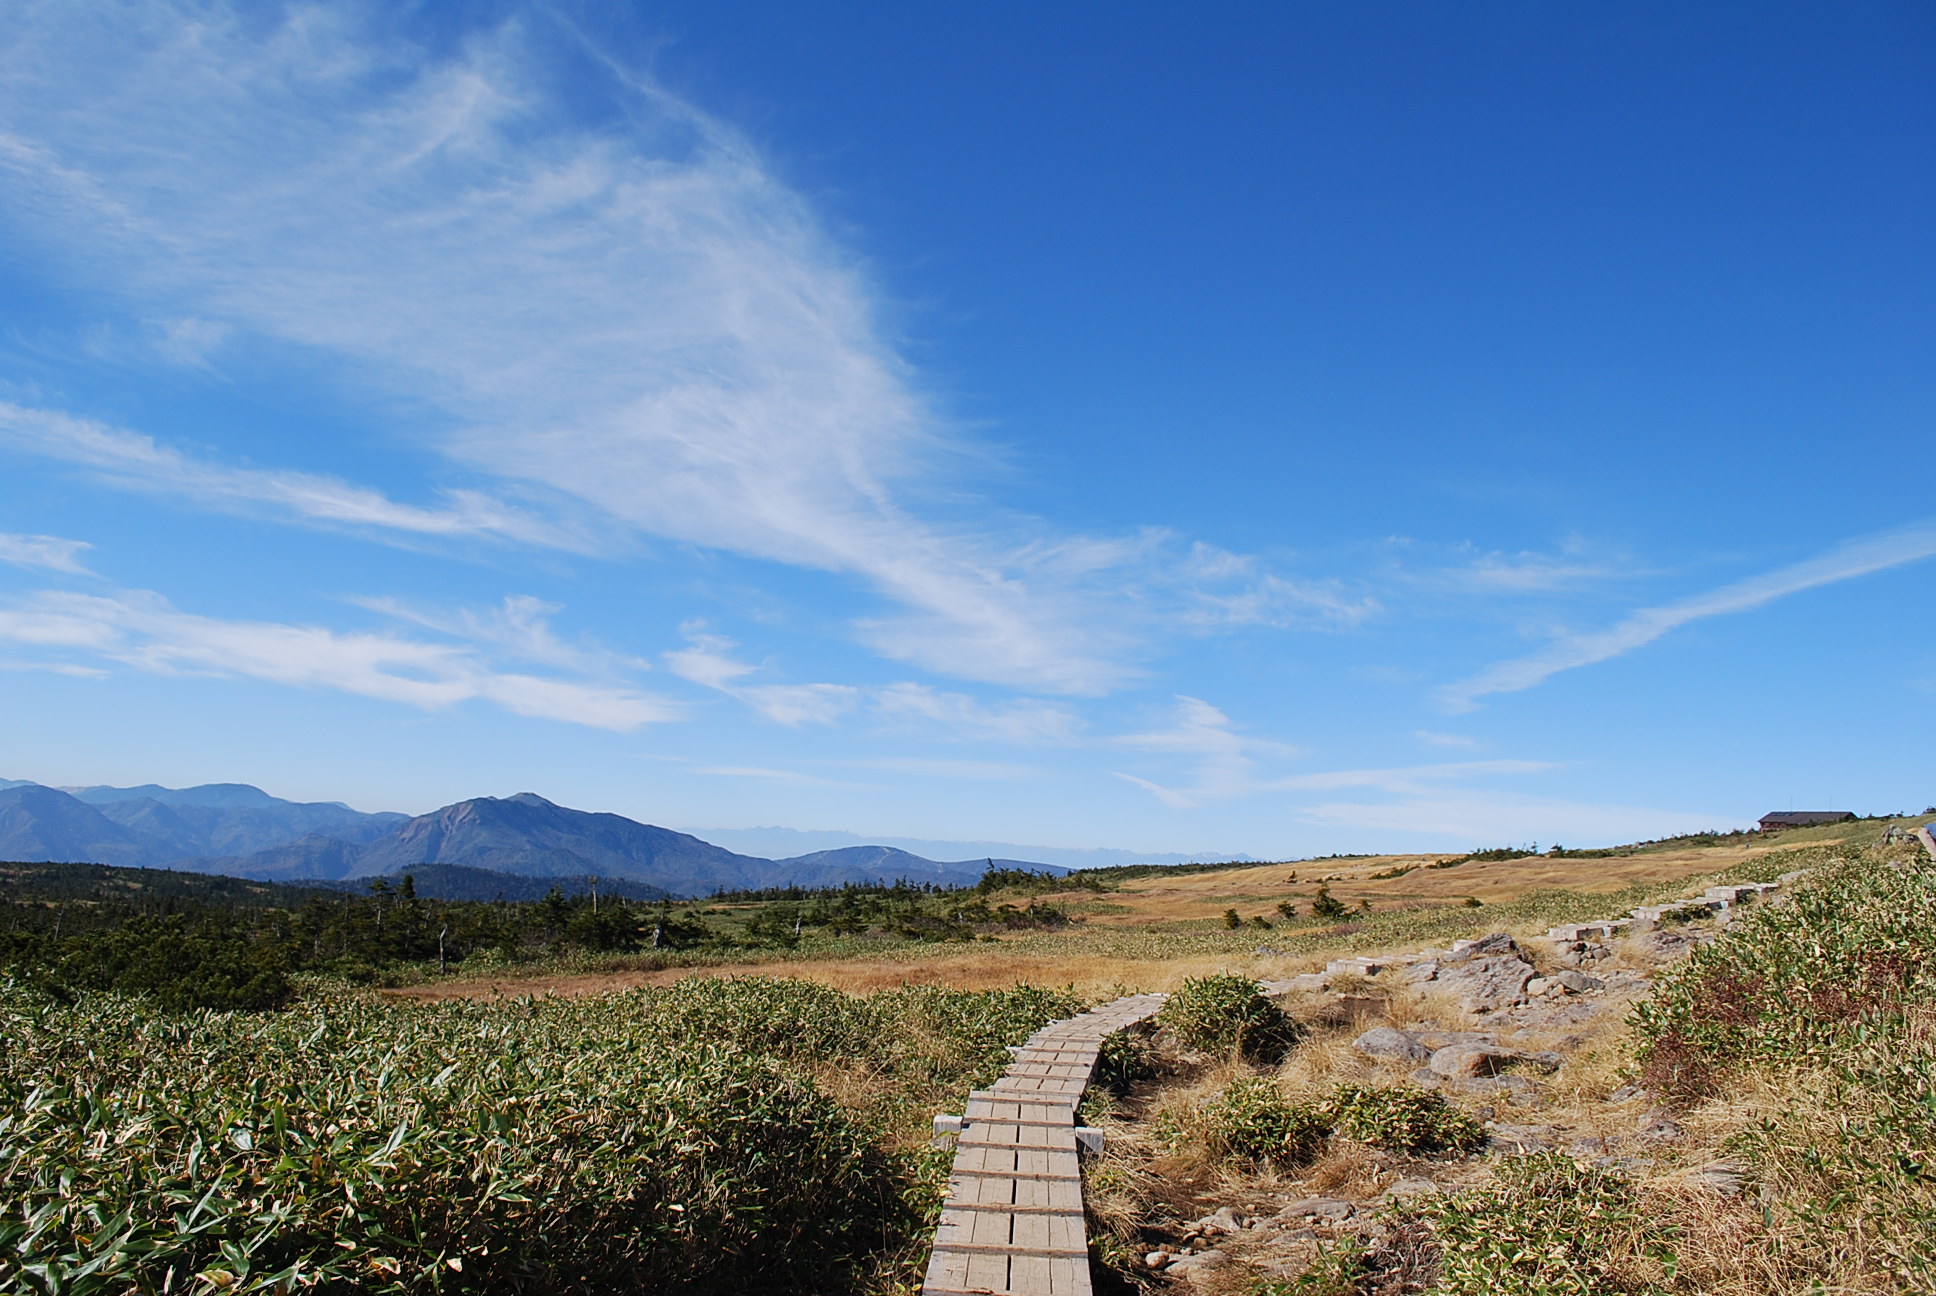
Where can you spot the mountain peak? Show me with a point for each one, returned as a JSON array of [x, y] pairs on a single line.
[[532, 799]]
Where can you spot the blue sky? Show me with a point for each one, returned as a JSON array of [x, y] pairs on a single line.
[[1275, 428]]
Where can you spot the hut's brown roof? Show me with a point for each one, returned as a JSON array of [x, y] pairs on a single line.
[[1803, 818]]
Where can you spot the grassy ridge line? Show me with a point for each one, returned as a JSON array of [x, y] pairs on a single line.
[[687, 1139], [1208, 936]]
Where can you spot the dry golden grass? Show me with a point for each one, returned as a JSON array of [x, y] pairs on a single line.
[[989, 965], [1255, 891], [1163, 905]]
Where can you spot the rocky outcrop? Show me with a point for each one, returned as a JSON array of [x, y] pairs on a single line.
[[1390, 1042], [1485, 975]]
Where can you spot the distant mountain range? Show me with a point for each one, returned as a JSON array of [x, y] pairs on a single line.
[[242, 831], [792, 843]]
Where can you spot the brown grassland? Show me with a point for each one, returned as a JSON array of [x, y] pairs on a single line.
[[1152, 932]]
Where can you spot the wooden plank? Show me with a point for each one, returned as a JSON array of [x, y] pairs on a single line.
[[1020, 1161], [1011, 1249], [1015, 1194], [1013, 1220], [1052, 1175], [995, 1133]]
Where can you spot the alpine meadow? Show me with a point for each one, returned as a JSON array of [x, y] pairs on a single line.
[[676, 649]]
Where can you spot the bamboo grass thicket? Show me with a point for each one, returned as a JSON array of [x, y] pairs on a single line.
[[652, 1140]]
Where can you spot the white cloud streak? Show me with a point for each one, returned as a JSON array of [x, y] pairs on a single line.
[[639, 318], [1845, 562], [1226, 764], [519, 627], [45, 553], [144, 631], [707, 661], [136, 462], [1224, 760], [1026, 722]]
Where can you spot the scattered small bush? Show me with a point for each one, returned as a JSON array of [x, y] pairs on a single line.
[[1226, 1013], [1251, 1122], [1832, 995], [1326, 905], [1403, 1119], [1548, 1226]]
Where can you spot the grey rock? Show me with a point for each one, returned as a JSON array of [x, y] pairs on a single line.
[[1406, 1189], [1492, 981], [1496, 945], [1468, 1061], [1224, 1219], [1520, 1138], [1421, 972], [1308, 983], [1663, 943], [1438, 1039], [1580, 982], [1390, 1042], [1626, 1093], [1330, 1208], [1546, 1015], [1515, 1089], [1201, 1262], [1657, 1127]]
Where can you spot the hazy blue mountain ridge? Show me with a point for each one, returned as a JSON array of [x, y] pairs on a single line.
[[38, 823], [241, 831]]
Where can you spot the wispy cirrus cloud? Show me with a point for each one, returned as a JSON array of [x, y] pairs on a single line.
[[145, 631], [582, 286], [1847, 561], [636, 315], [520, 627], [46, 553], [137, 462], [1224, 761], [1024, 722], [1431, 738], [707, 660]]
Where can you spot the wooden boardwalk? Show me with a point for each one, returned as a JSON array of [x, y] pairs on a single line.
[[1013, 1220]]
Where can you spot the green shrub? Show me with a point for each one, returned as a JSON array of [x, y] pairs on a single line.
[[1251, 1122], [1326, 905], [1403, 1119], [939, 1040], [1828, 994], [1548, 1226], [1226, 1013], [204, 962], [656, 1140], [351, 1145]]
